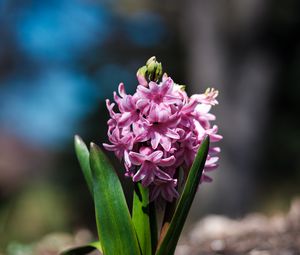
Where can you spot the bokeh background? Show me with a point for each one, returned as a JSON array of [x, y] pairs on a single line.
[[60, 59]]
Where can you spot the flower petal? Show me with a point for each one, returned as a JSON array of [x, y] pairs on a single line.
[[162, 175], [140, 174], [167, 161], [125, 119], [172, 134], [121, 90], [165, 143], [155, 140], [136, 158], [155, 156], [109, 147]]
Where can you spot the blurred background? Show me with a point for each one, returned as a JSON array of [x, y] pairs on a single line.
[[60, 59]]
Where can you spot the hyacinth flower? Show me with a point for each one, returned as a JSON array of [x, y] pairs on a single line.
[[165, 141]]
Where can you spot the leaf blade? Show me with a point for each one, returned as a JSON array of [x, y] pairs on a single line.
[[115, 229], [140, 217], [172, 231], [83, 156], [153, 226], [82, 250]]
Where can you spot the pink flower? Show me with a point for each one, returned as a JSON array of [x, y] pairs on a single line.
[[158, 130], [159, 93], [209, 97], [166, 189], [128, 107], [159, 127], [121, 145], [150, 163]]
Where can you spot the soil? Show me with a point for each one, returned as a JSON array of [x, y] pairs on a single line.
[[255, 234]]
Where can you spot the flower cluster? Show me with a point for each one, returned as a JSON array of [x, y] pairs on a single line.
[[158, 130]]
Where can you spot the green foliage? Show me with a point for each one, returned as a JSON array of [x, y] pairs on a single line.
[[116, 232], [140, 217], [83, 157], [119, 233], [172, 232], [85, 249]]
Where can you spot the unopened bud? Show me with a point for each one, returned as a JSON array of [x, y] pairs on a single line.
[[158, 71], [142, 71], [141, 75], [150, 61], [154, 69], [182, 87]]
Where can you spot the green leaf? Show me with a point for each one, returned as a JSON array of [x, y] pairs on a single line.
[[172, 231], [83, 156], [140, 217], [115, 229], [82, 250], [153, 226]]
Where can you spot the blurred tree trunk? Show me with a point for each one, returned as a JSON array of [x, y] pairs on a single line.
[[222, 52]]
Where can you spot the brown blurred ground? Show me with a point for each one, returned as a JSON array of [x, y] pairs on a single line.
[[255, 234]]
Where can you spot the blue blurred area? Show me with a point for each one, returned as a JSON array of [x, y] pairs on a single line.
[[62, 30], [49, 86], [145, 29], [110, 75], [45, 109], [59, 61]]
